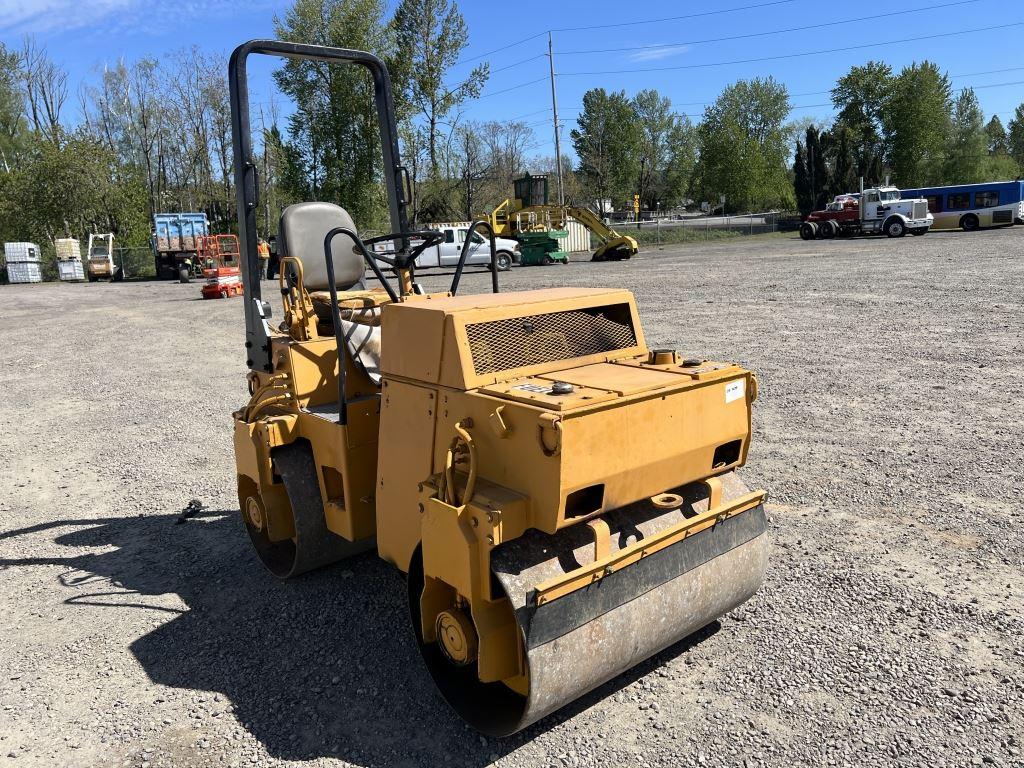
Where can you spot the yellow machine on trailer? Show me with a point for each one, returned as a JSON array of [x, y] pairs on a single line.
[[562, 498]]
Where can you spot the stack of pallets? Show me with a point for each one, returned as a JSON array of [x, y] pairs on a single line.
[[69, 260], [23, 263]]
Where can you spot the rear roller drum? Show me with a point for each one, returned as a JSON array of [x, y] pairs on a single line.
[[576, 642], [312, 545]]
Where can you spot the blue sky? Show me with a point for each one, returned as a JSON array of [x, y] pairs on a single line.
[[687, 59]]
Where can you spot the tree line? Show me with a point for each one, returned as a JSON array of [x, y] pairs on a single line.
[[154, 135], [910, 127]]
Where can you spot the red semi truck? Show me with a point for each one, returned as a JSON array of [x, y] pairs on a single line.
[[883, 211]]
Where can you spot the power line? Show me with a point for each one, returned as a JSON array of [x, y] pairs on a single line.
[[873, 17], [624, 24], [512, 88], [524, 61], [795, 55], [672, 18], [499, 50]]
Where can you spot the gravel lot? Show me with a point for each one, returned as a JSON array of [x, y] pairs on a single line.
[[888, 433]]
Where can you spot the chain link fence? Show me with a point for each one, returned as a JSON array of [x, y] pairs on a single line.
[[666, 231]]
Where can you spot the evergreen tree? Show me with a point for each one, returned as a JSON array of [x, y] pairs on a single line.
[[816, 159], [844, 173], [1015, 138], [995, 134], [801, 181]]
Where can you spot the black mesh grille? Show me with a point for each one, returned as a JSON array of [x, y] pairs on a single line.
[[501, 345]]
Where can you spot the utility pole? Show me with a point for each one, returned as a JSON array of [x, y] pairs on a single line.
[[554, 111]]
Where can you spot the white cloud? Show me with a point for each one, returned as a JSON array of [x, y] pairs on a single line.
[[28, 16], [110, 16], [661, 52]]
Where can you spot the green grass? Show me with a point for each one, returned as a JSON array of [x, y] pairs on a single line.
[[675, 235]]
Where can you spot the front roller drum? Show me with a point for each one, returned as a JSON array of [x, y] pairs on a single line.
[[313, 545], [576, 642]]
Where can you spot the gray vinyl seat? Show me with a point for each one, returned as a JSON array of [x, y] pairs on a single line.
[[302, 231]]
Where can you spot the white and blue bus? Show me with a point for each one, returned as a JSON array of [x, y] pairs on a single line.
[[973, 206]]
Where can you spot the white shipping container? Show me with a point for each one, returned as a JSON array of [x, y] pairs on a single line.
[[21, 252], [70, 270], [24, 272], [68, 249]]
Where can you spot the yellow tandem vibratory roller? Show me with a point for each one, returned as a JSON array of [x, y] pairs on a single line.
[[563, 500]]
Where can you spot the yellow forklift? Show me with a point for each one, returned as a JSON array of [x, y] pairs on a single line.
[[562, 499]]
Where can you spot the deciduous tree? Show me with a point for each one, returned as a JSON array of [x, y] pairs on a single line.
[[743, 148], [968, 142], [606, 140], [916, 123]]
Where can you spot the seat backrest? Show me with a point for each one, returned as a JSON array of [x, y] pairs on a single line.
[[303, 229]]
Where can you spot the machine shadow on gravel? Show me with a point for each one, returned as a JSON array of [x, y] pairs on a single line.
[[321, 666]]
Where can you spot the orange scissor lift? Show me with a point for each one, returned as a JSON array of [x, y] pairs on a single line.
[[218, 255]]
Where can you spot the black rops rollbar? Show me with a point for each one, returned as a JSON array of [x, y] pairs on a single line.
[[257, 342], [465, 254]]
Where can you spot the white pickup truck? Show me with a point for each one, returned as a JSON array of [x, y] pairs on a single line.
[[447, 252]]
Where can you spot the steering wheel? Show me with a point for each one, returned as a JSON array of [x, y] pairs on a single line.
[[430, 237]]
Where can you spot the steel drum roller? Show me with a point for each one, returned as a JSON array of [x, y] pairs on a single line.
[[580, 640]]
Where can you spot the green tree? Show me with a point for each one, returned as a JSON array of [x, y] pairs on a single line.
[[861, 96], [1015, 137], [968, 143], [916, 119], [655, 123], [69, 189], [844, 163], [743, 146], [682, 162], [332, 134], [431, 34], [12, 112], [995, 135], [606, 140], [816, 156], [802, 181]]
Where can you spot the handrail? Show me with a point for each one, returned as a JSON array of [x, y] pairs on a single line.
[[339, 334], [295, 290], [465, 254]]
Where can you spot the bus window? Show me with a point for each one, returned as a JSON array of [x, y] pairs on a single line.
[[934, 203], [959, 200], [988, 199]]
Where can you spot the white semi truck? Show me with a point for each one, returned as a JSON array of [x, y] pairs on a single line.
[[874, 211]]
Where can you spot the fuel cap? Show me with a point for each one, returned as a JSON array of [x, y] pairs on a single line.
[[561, 388]]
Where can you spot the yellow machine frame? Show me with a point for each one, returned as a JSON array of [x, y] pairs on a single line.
[[548, 483]]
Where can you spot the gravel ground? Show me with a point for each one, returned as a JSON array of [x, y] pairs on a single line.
[[887, 432]]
